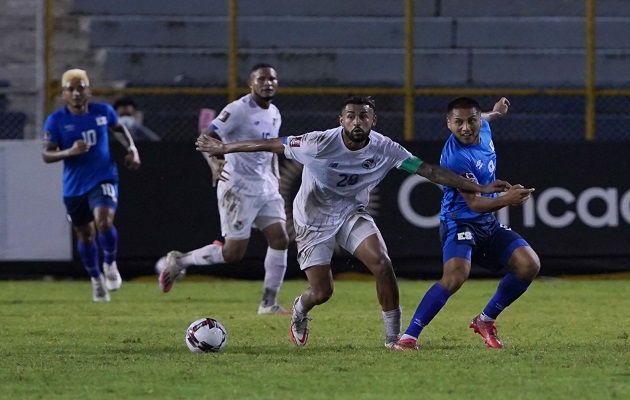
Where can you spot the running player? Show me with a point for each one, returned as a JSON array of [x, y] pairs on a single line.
[[341, 166], [248, 192], [468, 229], [78, 135]]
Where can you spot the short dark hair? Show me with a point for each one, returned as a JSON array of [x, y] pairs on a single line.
[[463, 102], [124, 101], [258, 66], [364, 100]]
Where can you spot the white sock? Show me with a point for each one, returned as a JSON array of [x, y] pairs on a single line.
[[207, 255], [485, 318], [393, 324], [299, 307], [275, 267]]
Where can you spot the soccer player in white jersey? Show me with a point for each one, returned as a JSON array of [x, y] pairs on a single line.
[[248, 191], [341, 166]]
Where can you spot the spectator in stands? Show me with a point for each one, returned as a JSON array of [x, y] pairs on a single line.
[[248, 192], [469, 231], [128, 115], [341, 166], [78, 135]]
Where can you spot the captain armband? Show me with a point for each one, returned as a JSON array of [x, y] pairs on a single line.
[[411, 164]]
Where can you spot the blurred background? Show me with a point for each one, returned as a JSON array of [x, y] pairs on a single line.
[[564, 65]]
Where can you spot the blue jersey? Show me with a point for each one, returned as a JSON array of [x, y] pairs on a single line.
[[83, 172], [476, 162]]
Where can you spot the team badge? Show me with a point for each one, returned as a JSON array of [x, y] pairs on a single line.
[[101, 121], [295, 142], [369, 163]]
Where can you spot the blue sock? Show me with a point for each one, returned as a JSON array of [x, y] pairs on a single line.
[[89, 256], [434, 299], [109, 244], [510, 288]]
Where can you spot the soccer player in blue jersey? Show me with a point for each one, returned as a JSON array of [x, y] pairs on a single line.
[[341, 166], [468, 229], [78, 134]]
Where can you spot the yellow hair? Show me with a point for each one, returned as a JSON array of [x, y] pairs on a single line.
[[74, 74]]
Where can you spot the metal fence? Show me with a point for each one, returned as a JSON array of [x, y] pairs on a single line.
[[409, 111]]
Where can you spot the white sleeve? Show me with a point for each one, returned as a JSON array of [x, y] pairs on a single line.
[[302, 149], [227, 121]]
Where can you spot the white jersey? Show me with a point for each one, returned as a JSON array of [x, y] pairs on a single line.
[[249, 173], [337, 181]]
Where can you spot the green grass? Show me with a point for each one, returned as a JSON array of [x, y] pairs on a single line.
[[566, 339]]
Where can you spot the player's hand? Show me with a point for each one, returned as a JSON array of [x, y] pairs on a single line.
[[132, 159], [501, 106], [518, 195], [207, 144], [497, 186], [218, 174], [79, 147]]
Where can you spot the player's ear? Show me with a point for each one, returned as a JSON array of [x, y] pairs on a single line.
[[374, 120], [341, 120]]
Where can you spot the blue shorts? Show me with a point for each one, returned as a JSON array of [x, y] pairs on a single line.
[[483, 241], [81, 208]]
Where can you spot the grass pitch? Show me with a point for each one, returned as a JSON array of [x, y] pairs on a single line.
[[565, 339]]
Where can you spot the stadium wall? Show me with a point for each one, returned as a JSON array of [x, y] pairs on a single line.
[[577, 220]]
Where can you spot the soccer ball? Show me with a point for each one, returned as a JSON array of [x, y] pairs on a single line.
[[206, 335], [161, 264]]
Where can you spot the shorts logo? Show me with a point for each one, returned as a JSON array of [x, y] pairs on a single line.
[[295, 142], [101, 121], [238, 225], [464, 236], [224, 116], [369, 164]]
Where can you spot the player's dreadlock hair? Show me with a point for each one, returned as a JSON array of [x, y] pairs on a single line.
[[463, 102], [365, 100]]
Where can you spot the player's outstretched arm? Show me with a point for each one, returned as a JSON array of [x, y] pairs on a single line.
[[446, 177], [516, 195], [500, 109], [214, 147]]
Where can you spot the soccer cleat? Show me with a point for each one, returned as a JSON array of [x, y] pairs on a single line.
[[488, 331], [274, 309], [113, 281], [403, 345], [299, 326], [99, 289], [171, 273]]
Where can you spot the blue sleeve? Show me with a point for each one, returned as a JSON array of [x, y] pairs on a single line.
[[51, 127], [112, 117]]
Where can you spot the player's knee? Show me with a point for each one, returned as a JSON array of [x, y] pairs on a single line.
[[527, 264], [382, 268], [528, 270], [280, 242], [232, 256], [103, 225], [322, 294], [452, 281]]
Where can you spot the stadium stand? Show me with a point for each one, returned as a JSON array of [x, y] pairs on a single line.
[[456, 45]]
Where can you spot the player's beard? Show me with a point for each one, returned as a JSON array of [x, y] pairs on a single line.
[[357, 135], [266, 95]]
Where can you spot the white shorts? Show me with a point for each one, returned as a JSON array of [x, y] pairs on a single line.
[[240, 213], [317, 247]]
